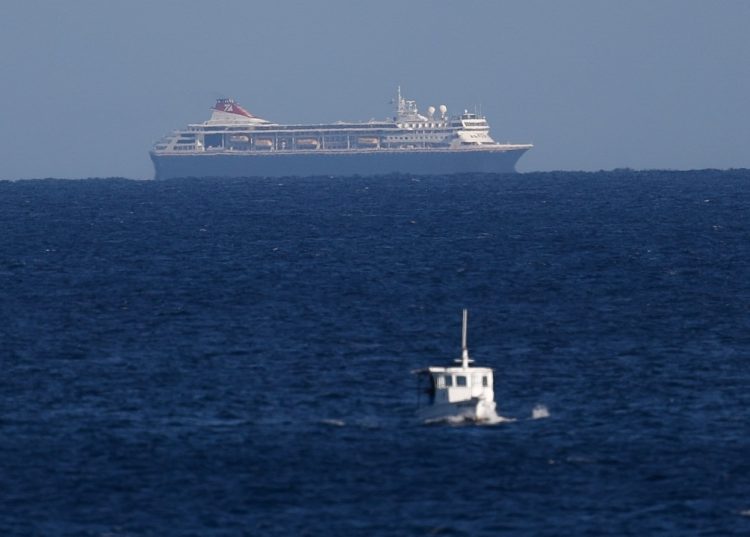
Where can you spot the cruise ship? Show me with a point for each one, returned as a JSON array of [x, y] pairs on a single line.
[[235, 143]]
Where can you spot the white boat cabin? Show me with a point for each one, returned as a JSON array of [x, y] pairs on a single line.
[[455, 384], [457, 392]]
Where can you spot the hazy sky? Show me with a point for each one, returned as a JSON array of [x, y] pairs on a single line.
[[88, 86]]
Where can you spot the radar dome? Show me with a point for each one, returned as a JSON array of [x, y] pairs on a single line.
[[430, 111], [443, 110]]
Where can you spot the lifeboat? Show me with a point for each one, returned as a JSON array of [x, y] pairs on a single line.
[[367, 141], [263, 143], [239, 138], [308, 143]]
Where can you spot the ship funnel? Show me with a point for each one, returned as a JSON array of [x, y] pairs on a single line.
[[228, 106]]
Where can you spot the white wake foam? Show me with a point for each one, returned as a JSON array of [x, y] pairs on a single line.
[[539, 412], [494, 419], [333, 423]]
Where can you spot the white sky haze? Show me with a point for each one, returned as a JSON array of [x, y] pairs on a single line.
[[88, 86]]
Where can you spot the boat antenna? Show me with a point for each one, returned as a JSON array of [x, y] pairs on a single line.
[[464, 348]]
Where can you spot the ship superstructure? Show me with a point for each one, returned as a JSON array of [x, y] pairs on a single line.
[[235, 143]]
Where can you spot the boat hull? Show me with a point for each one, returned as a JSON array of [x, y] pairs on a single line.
[[500, 159], [471, 410]]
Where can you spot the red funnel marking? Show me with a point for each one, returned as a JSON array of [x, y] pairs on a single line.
[[231, 107]]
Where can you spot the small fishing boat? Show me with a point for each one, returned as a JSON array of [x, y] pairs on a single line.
[[456, 393]]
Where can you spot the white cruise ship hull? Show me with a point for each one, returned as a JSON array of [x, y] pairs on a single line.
[[496, 159]]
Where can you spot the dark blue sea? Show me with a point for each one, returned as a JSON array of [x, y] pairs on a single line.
[[209, 357]]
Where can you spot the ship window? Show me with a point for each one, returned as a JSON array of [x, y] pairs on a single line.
[[460, 380], [213, 140], [440, 381], [484, 381], [448, 380]]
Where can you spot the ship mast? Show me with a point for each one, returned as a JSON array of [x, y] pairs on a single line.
[[464, 348]]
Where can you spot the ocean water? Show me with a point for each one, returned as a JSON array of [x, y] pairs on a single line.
[[232, 357]]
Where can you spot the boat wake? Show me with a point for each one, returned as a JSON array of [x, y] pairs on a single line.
[[496, 418], [539, 412], [333, 422], [493, 419]]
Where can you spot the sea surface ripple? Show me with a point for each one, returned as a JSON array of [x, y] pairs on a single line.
[[209, 357]]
